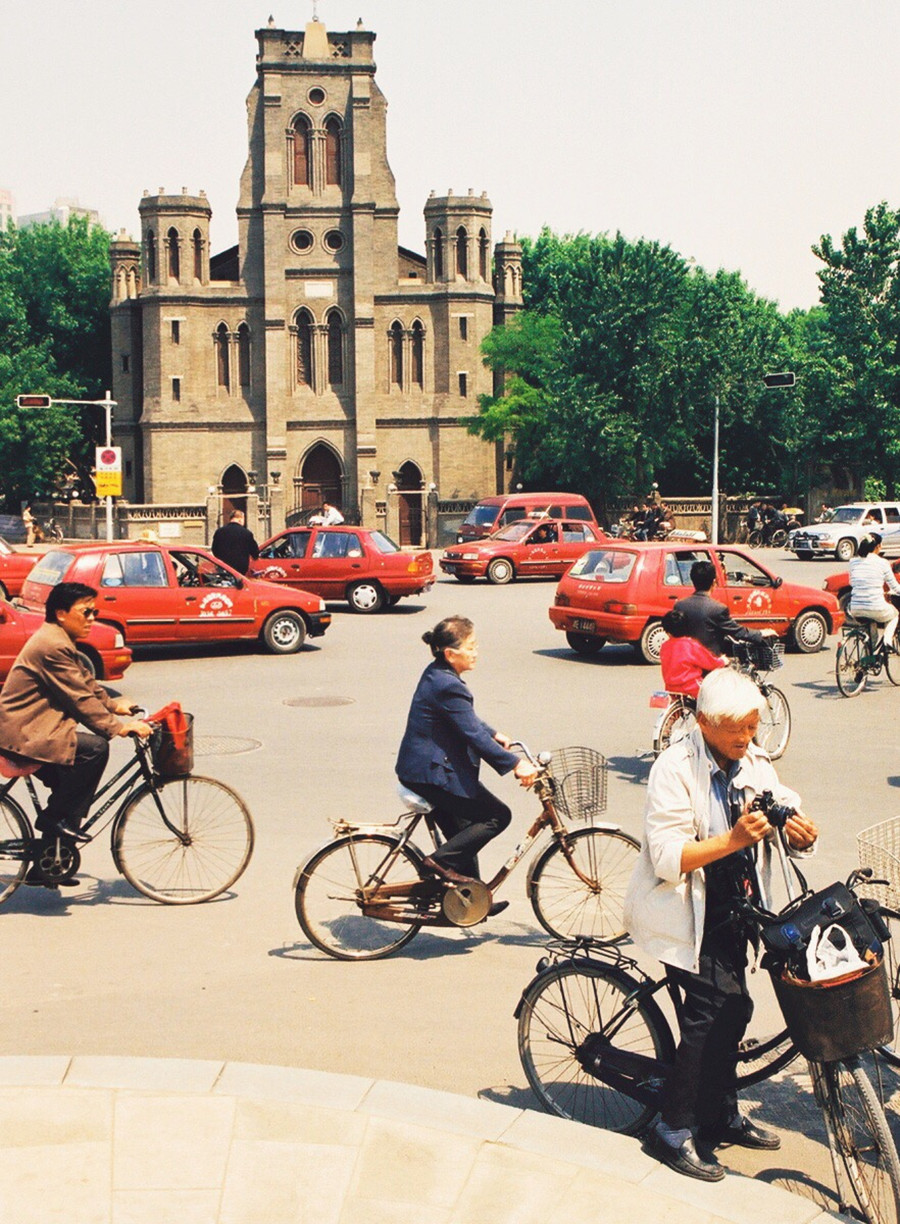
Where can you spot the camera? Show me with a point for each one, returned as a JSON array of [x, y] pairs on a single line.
[[775, 813]]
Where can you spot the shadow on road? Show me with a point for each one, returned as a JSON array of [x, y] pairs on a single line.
[[634, 769], [458, 942]]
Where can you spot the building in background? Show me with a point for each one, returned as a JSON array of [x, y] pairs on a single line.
[[62, 211], [7, 209], [316, 355]]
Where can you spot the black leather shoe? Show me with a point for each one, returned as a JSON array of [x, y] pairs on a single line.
[[497, 908], [744, 1134], [446, 873], [35, 879], [684, 1159], [66, 830]]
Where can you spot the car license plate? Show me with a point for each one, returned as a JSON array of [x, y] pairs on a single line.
[[582, 625]]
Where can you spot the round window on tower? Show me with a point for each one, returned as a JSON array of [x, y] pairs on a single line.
[[301, 241], [334, 240], [316, 96]]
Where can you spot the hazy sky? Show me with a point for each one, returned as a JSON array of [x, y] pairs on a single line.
[[738, 131]]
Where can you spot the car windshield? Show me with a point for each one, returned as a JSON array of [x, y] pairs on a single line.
[[383, 543], [481, 516], [604, 565], [846, 514], [51, 568], [515, 531]]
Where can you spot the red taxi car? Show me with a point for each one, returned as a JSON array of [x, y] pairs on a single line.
[[524, 549], [838, 585], [103, 650], [156, 594], [14, 567], [620, 592], [364, 567]]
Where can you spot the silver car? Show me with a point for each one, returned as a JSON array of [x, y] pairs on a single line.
[[840, 536]]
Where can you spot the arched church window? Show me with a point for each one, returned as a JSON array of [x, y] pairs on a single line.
[[243, 334], [335, 348], [223, 372], [174, 254], [396, 341], [483, 254], [302, 150], [333, 152], [417, 370], [198, 255], [151, 257], [462, 253], [304, 349], [438, 254]]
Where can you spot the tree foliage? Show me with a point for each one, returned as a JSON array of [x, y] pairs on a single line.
[[54, 338]]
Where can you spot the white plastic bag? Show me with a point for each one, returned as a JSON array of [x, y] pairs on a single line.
[[831, 954]]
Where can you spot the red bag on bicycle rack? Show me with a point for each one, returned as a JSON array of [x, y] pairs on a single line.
[[173, 744]]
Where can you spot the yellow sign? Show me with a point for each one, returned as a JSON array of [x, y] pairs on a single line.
[[108, 484]]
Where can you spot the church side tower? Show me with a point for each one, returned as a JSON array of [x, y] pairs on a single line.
[[127, 350]]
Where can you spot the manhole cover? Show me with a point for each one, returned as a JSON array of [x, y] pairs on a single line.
[[223, 745], [318, 701]]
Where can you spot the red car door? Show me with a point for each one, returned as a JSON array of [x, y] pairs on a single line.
[[539, 552], [335, 560], [284, 559], [136, 590], [749, 591], [214, 602]]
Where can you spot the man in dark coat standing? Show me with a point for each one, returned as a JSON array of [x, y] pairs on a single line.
[[234, 544], [708, 621]]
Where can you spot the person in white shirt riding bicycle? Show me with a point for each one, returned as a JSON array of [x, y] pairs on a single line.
[[869, 574]]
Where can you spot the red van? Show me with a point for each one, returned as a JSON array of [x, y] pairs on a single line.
[[492, 513]]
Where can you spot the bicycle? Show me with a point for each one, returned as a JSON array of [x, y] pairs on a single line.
[[178, 841], [862, 654], [752, 659], [878, 848], [366, 894], [596, 1047]]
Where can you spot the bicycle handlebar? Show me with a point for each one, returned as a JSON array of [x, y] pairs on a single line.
[[541, 761]]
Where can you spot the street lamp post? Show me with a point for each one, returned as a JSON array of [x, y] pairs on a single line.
[[715, 477]]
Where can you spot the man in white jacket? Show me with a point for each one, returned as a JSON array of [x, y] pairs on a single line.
[[703, 849]]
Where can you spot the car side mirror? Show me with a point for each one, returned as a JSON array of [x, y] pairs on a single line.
[[777, 583]]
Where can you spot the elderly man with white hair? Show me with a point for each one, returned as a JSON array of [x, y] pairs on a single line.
[[703, 849]]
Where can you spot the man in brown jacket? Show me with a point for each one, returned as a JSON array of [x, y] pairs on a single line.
[[48, 695]]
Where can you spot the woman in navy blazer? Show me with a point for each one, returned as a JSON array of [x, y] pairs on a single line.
[[444, 743]]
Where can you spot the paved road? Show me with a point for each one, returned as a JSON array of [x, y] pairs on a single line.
[[102, 971]]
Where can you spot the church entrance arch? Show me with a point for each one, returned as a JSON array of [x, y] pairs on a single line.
[[234, 491], [409, 503], [320, 479]]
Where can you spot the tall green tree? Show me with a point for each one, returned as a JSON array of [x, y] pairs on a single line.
[[857, 346], [54, 338]]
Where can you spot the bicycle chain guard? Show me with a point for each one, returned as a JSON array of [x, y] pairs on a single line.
[[465, 904], [57, 859]]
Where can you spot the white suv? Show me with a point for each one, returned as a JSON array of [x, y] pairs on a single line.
[[841, 535]]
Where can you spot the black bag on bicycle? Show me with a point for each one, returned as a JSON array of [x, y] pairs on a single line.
[[787, 936]]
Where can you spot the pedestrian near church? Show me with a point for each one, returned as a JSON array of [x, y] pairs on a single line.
[[234, 543], [704, 849]]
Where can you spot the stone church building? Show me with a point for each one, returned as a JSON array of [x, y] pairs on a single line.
[[317, 357]]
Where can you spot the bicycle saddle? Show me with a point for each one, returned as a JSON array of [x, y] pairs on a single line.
[[12, 766], [414, 802]]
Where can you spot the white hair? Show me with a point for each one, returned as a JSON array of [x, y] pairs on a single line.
[[726, 694]]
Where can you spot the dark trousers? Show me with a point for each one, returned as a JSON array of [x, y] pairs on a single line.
[[467, 824], [716, 1009], [72, 787]]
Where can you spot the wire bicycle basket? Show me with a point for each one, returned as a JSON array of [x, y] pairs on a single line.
[[878, 847], [764, 656], [580, 777]]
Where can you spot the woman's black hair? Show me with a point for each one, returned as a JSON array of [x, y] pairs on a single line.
[[869, 543], [675, 623], [448, 634]]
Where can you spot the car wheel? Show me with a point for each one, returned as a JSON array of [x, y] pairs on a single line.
[[500, 571], [809, 632], [87, 658], [585, 643], [284, 632], [365, 597], [465, 578], [651, 641], [845, 549], [805, 554]]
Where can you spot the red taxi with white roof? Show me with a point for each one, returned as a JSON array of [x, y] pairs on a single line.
[[157, 594]]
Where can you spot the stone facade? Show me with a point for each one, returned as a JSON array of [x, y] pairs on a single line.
[[316, 354]]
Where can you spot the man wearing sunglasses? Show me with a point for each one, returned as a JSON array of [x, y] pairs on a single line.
[[52, 710]]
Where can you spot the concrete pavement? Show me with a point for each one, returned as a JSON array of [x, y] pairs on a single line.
[[106, 1140]]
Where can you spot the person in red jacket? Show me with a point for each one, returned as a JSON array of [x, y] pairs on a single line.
[[683, 659]]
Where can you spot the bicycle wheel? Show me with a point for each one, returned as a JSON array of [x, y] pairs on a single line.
[[778, 538], [218, 840], [860, 1132], [891, 1051], [755, 538], [328, 896], [891, 666], [760, 1059], [562, 1009], [564, 905], [15, 843], [774, 723], [849, 670], [677, 722]]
